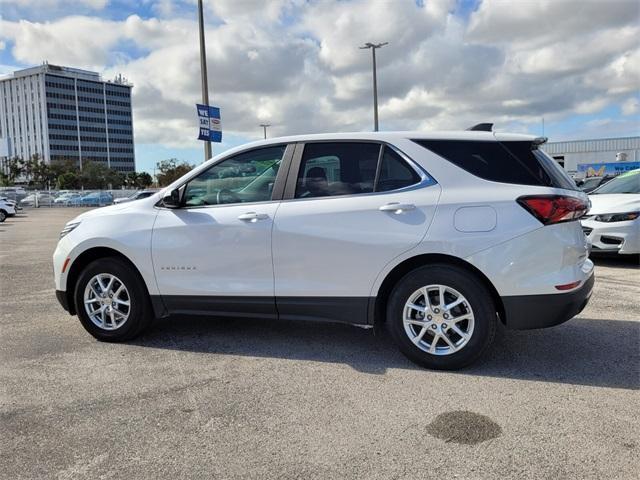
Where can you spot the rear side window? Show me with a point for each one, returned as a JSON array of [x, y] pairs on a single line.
[[507, 162], [348, 168]]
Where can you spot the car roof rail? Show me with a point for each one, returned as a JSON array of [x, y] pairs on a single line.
[[481, 127]]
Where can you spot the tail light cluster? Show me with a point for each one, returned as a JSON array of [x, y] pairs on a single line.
[[550, 209]]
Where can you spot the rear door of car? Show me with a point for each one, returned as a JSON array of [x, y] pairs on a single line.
[[348, 209]]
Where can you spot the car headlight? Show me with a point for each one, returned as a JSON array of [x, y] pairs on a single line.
[[69, 227], [616, 217]]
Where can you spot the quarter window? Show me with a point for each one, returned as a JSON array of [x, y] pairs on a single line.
[[247, 177], [394, 172]]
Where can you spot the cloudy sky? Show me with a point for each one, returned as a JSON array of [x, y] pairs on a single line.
[[296, 64]]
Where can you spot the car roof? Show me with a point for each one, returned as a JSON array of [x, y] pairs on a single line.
[[381, 136], [386, 136]]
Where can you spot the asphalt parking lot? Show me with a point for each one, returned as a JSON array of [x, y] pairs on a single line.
[[202, 398]]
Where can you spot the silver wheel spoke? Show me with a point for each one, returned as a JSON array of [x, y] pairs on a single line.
[[411, 321], [434, 342], [453, 304], [441, 296], [121, 302], [458, 331], [420, 335], [461, 318], [448, 340], [418, 308]]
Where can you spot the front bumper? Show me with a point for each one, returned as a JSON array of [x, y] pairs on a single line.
[[526, 312], [614, 237]]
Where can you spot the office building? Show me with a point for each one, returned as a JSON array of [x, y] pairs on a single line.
[[62, 113]]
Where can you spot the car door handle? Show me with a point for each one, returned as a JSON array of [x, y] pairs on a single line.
[[253, 216], [397, 208]]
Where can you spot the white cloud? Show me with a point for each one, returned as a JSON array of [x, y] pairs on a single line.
[[297, 65], [51, 4], [631, 106]]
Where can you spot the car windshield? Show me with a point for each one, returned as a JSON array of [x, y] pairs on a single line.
[[625, 183]]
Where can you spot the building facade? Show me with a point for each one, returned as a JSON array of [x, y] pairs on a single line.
[[602, 150], [62, 113]]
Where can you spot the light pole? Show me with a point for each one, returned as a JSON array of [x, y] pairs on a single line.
[[203, 73], [373, 47], [264, 128]]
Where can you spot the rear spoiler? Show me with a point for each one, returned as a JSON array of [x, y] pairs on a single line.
[[481, 127]]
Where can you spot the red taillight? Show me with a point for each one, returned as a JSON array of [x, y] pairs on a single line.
[[551, 209]]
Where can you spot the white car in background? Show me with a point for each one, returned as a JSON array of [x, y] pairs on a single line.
[[7, 209], [612, 224], [440, 236], [139, 195]]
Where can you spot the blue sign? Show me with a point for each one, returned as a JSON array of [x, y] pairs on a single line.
[[602, 169], [210, 126]]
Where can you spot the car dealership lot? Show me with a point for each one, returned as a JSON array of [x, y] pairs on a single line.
[[262, 399]]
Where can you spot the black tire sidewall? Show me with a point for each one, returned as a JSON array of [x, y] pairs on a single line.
[[139, 314], [472, 288], [3, 216]]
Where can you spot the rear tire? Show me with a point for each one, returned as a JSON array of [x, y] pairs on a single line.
[[99, 287], [417, 316], [3, 216]]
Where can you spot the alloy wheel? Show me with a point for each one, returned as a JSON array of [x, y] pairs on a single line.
[[438, 319], [107, 301]]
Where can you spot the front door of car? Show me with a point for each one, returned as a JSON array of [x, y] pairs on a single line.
[[349, 208], [213, 255]]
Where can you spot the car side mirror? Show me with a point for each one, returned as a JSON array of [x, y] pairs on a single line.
[[172, 199]]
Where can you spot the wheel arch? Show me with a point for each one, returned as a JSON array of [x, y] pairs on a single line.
[[378, 310], [95, 253]]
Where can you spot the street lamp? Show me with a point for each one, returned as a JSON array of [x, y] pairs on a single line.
[[203, 73], [373, 47], [264, 128]]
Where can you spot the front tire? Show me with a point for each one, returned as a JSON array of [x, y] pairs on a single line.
[[3, 216], [111, 300], [441, 317]]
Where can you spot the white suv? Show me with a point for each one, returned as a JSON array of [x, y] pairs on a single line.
[[440, 236]]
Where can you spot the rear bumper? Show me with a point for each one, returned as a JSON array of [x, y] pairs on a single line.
[[525, 312]]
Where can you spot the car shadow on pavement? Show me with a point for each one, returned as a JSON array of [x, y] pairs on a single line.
[[583, 351], [617, 261]]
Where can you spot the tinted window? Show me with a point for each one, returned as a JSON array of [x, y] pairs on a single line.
[[342, 168], [625, 183], [394, 172], [508, 162], [247, 177]]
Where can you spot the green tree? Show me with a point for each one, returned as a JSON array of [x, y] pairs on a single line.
[[96, 175], [15, 168], [144, 180], [40, 174], [170, 170], [68, 181], [65, 167]]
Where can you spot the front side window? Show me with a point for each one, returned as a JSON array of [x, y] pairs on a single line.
[[349, 168], [247, 177]]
